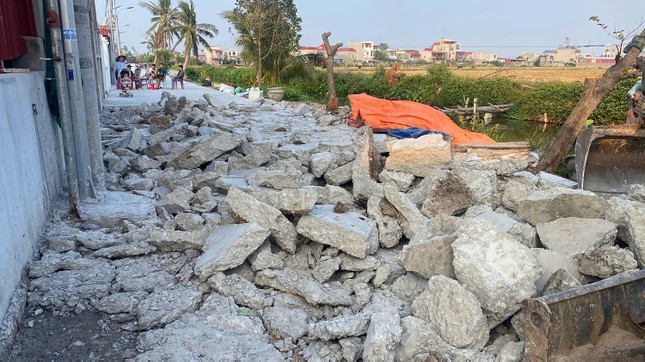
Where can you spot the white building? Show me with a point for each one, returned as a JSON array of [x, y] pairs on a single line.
[[364, 49]]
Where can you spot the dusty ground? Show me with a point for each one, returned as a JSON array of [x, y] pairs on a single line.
[[525, 75], [89, 336]]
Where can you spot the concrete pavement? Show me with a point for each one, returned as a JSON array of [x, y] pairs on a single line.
[[191, 91]]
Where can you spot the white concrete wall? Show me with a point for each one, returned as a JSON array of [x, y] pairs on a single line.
[[30, 173]]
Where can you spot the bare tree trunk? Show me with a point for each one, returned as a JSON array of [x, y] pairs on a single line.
[[186, 56], [260, 75], [594, 90], [332, 100]]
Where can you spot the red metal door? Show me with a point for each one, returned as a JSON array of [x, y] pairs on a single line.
[[16, 21]]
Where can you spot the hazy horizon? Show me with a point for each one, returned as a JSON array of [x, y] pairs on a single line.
[[507, 28]]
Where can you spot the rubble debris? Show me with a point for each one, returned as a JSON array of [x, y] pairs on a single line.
[[256, 231], [352, 233], [417, 155]]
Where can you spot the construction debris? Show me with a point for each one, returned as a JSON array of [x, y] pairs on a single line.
[[278, 236]]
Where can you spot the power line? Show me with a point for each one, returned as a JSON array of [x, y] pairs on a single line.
[[505, 46]]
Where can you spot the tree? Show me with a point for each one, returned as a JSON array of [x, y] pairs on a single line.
[[381, 56], [618, 34], [593, 92], [268, 31], [383, 47], [332, 99], [163, 20], [190, 31]]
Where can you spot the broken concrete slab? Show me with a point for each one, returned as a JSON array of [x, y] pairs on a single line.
[[453, 312], [217, 329], [175, 240], [125, 250], [340, 175], [241, 290], [447, 194], [412, 220], [112, 207], [301, 282], [389, 230], [289, 201], [175, 202], [495, 267], [228, 246], [417, 155], [419, 342], [206, 151], [630, 218], [551, 262], [559, 281], [367, 166], [284, 323], [606, 262], [429, 255], [514, 190], [340, 327], [352, 233], [51, 262], [383, 335], [402, 180], [164, 306], [67, 289], [264, 258], [571, 236], [548, 205], [147, 273], [482, 185], [246, 207]]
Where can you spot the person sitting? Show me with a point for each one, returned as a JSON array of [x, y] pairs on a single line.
[[152, 74], [161, 75], [179, 78]]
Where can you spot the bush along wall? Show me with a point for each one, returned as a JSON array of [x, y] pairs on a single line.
[[438, 88]]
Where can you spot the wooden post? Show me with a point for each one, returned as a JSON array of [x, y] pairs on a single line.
[[594, 90], [332, 100]]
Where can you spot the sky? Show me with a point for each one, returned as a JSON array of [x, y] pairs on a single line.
[[505, 27]]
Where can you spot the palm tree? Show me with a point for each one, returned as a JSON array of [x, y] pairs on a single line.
[[190, 31], [163, 19]]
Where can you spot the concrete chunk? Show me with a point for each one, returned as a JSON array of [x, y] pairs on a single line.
[[453, 312], [352, 233], [571, 236], [228, 246], [247, 208], [606, 262], [300, 282], [548, 205], [495, 267], [289, 201], [206, 151], [417, 155]]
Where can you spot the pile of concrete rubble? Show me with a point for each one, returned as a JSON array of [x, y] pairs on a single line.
[[263, 231]]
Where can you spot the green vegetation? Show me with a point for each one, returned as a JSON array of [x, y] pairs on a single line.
[[268, 31], [439, 88]]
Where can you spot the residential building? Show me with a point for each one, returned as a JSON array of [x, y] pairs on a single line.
[[364, 50], [483, 57], [342, 54], [214, 55], [610, 51], [567, 54], [233, 55], [445, 50]]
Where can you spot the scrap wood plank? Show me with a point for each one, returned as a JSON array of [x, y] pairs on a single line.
[[493, 150]]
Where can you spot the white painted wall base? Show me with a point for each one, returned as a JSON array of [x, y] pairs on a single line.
[[31, 173]]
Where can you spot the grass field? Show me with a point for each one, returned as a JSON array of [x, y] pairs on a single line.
[[523, 75]]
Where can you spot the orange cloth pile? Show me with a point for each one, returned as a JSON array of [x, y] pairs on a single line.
[[381, 114]]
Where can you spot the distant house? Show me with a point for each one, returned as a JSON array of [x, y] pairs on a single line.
[[567, 55], [214, 56], [342, 54], [233, 55], [483, 57], [364, 50], [445, 50]]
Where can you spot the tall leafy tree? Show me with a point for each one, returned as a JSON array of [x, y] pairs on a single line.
[[190, 31], [163, 19], [267, 31]]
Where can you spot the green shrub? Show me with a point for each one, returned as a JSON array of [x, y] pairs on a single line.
[[437, 88]]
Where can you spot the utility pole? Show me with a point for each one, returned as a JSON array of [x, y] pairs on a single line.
[[89, 89], [76, 100]]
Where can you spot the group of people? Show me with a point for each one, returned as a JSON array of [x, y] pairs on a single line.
[[153, 74]]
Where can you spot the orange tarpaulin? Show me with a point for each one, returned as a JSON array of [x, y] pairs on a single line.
[[381, 114]]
